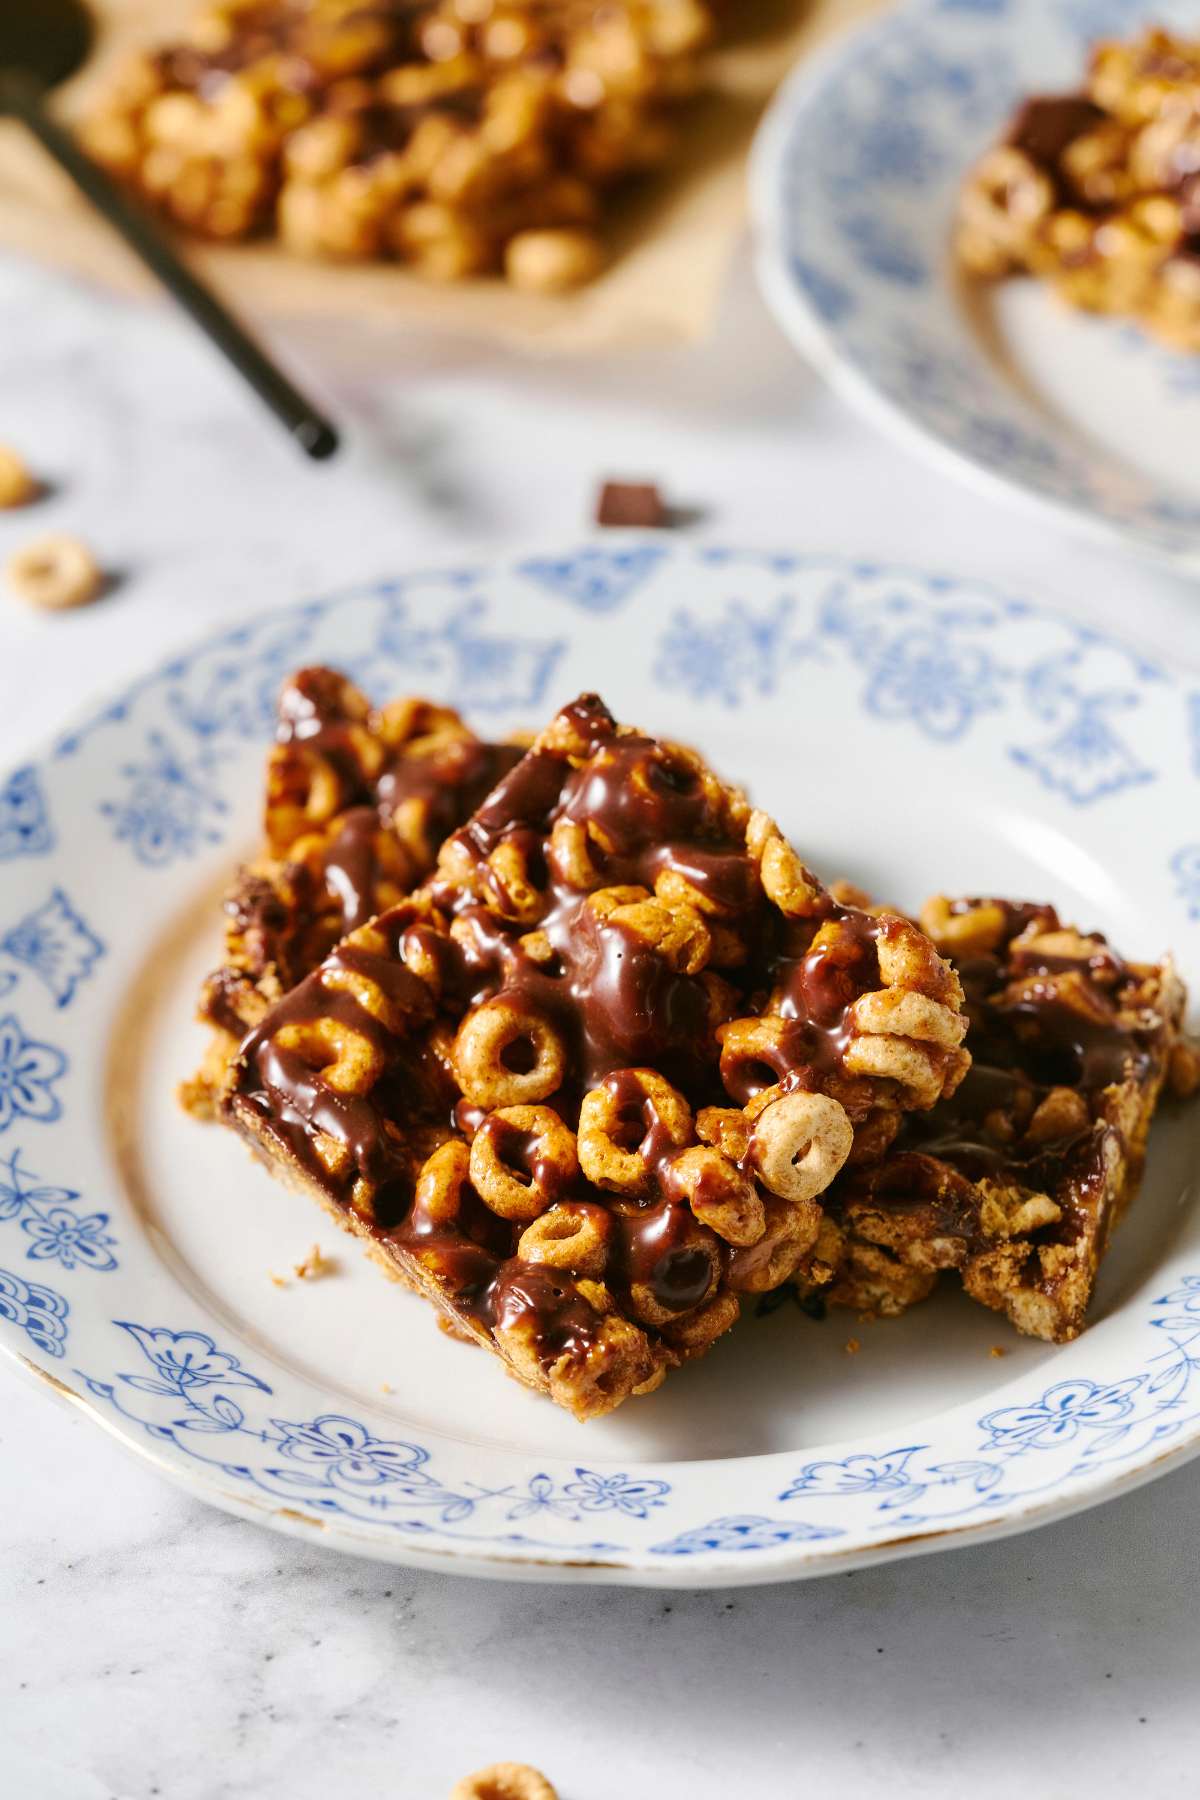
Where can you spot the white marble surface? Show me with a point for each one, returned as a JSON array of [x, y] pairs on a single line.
[[149, 1646]]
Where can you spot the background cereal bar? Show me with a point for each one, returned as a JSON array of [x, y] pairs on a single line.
[[454, 135], [1097, 192]]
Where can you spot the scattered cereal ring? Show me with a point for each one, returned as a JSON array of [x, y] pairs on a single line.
[[55, 572], [17, 485], [504, 1781]]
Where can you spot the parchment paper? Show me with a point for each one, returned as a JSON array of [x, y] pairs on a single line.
[[672, 238]]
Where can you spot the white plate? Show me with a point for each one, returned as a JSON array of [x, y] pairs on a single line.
[[912, 732], [856, 174]]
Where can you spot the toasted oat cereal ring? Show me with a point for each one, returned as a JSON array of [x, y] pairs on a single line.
[[17, 485], [719, 1194], [901, 1012], [507, 1055], [673, 1263], [513, 893], [438, 1197], [1006, 198], [910, 1066], [573, 1235], [627, 1125], [788, 1235], [799, 1143], [304, 792], [725, 1127], [504, 1781], [907, 959], [785, 880], [696, 1330], [572, 855], [55, 572], [974, 930], [554, 260], [522, 1159], [345, 1059], [676, 933], [754, 1055]]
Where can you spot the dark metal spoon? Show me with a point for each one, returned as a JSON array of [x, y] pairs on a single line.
[[42, 42]]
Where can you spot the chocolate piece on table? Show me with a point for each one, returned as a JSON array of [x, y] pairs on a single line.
[[632, 503], [515, 1084]]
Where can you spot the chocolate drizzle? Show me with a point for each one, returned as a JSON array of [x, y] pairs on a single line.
[[1042, 1020], [506, 916]]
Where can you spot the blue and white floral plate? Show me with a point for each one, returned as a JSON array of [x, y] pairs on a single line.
[[910, 731], [855, 179]]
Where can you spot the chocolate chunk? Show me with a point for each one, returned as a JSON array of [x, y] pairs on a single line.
[[1046, 125], [632, 503]]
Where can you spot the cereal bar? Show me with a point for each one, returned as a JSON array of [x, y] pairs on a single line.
[[1097, 192], [530, 1087], [1017, 1179], [457, 136]]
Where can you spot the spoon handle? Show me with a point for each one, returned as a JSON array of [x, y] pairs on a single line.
[[314, 434]]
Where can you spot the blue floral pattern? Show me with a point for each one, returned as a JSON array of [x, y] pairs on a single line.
[[925, 649], [1185, 867], [36, 1310], [47, 1216], [1059, 715], [856, 191], [56, 944], [24, 821], [744, 1531], [28, 1072], [594, 579], [171, 805], [1092, 1422]]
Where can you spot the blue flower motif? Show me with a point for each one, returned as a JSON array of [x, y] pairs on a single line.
[[1087, 759], [56, 944], [169, 809], [619, 1493], [940, 685], [24, 821], [540, 1497], [185, 1360], [60, 1235], [725, 658], [345, 1454], [861, 1474], [1185, 866], [486, 670], [28, 1071], [596, 580], [36, 1310], [1064, 1410], [884, 252], [744, 1531], [891, 148], [831, 299], [46, 1217]]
